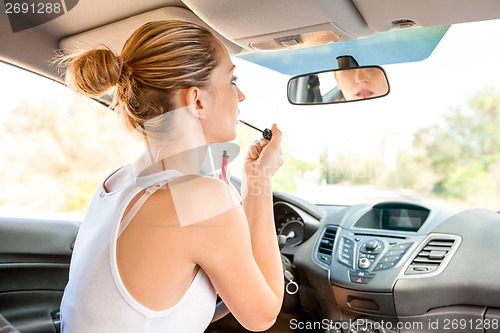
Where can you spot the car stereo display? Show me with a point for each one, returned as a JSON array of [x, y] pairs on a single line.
[[397, 217]]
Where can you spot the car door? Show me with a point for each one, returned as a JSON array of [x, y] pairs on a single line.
[[34, 265], [55, 149]]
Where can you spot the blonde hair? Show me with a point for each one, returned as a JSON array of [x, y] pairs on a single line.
[[157, 60]]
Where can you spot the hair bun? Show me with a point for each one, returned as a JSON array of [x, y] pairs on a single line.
[[94, 72]]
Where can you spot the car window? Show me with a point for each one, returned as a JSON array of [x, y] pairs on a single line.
[[434, 139], [56, 147]]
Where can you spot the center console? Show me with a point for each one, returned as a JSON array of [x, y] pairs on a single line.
[[372, 247], [366, 252]]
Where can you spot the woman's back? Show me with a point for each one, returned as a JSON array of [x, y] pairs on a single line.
[[100, 292]]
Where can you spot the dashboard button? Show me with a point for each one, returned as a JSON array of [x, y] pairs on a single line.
[[346, 256], [386, 259], [345, 262], [379, 267], [346, 251], [364, 263], [395, 259], [324, 258], [395, 252], [360, 280], [363, 274], [391, 264], [401, 246], [371, 246], [372, 257]]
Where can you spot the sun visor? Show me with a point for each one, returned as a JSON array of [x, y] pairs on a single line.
[[396, 46], [115, 34]]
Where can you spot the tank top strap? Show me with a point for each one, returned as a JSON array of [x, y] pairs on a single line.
[[152, 184]]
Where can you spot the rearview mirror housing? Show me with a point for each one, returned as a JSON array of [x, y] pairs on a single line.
[[338, 86]]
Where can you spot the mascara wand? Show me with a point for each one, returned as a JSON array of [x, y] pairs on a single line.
[[266, 133]]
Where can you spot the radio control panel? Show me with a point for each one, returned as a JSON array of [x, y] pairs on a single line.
[[366, 256]]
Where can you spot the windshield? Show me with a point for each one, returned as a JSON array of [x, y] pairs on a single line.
[[433, 139]]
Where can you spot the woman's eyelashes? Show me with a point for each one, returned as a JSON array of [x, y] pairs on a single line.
[[234, 79]]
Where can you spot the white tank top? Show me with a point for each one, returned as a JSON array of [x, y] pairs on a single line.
[[96, 300]]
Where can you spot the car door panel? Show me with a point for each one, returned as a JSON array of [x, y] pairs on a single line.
[[34, 266]]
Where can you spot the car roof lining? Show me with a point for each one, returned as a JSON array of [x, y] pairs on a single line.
[[245, 21], [34, 48], [115, 34]]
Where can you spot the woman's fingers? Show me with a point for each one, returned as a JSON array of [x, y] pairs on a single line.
[[255, 149]]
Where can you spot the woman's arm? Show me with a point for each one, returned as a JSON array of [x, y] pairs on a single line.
[[238, 249], [263, 159]]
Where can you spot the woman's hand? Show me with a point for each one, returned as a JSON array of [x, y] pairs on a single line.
[[265, 157]]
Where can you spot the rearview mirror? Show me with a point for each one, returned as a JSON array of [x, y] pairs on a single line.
[[338, 86]]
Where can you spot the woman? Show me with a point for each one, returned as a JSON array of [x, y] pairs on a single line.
[[159, 240]]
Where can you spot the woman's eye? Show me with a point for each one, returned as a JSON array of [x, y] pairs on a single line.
[[234, 79]]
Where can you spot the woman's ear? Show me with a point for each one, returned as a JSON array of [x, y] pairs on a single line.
[[195, 100]]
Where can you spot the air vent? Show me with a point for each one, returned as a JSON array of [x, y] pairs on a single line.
[[325, 247], [431, 256]]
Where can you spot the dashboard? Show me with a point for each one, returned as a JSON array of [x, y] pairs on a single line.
[[401, 264]]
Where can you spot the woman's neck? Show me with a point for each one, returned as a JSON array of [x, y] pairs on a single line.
[[189, 161]]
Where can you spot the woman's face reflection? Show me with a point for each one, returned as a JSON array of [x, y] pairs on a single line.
[[361, 83]]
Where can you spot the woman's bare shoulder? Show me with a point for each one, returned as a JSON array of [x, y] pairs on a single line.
[[197, 198]]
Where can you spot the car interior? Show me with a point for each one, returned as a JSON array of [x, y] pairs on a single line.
[[380, 265]]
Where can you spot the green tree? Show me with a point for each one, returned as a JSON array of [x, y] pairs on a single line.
[[463, 151]]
